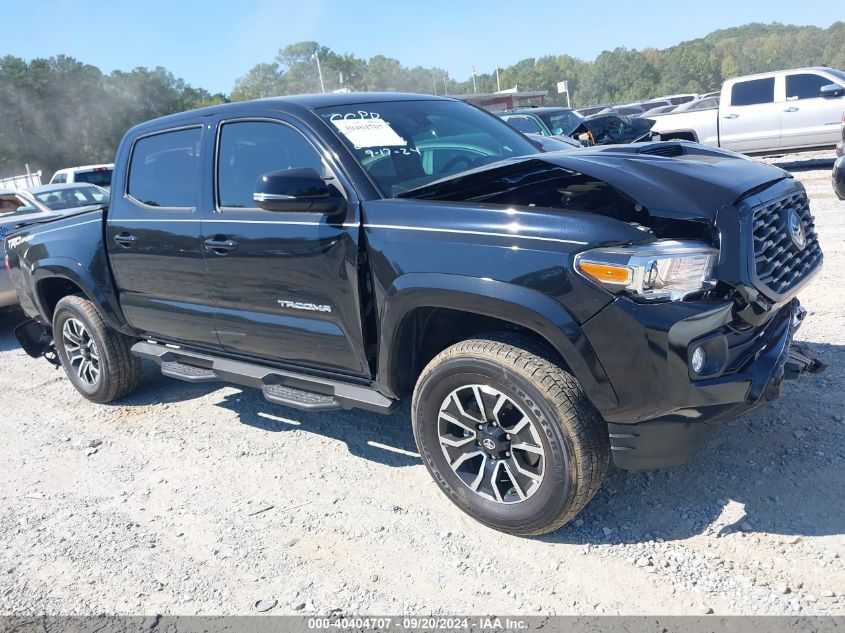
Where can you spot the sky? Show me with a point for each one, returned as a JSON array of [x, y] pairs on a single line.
[[211, 43]]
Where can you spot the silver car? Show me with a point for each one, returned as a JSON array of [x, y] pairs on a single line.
[[40, 204]]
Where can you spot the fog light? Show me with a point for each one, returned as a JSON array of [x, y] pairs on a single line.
[[699, 359]]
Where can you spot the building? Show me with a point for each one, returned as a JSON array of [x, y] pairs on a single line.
[[506, 99]]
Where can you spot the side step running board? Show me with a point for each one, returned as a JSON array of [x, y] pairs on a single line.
[[279, 386]]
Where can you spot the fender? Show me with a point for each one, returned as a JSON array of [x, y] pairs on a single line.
[[102, 297], [521, 306]]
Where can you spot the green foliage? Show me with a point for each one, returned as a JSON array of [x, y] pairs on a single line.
[[60, 112], [615, 76]]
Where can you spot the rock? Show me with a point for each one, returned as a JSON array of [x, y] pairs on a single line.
[[607, 531], [810, 598], [643, 562], [94, 443], [783, 589], [827, 593], [579, 522], [91, 451], [299, 606], [704, 610], [445, 534]]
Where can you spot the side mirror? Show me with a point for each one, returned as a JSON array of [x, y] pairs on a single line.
[[296, 190], [831, 90]]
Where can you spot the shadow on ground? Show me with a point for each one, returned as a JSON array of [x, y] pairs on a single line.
[[783, 462]]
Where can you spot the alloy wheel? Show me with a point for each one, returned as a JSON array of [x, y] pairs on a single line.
[[81, 350], [491, 444]]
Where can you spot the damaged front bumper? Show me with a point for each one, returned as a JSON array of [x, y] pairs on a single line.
[[667, 411]]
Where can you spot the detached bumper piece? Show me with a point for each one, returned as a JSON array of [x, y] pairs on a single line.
[[279, 386], [673, 439]]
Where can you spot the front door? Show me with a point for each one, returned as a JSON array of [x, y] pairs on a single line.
[[807, 119], [153, 238], [284, 283], [750, 121]]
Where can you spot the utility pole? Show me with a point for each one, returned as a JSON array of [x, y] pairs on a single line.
[[474, 86], [498, 85], [320, 72]]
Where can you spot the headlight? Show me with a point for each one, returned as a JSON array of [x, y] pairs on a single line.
[[666, 269]]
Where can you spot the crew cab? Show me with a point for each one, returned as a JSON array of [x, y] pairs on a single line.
[[766, 113], [545, 312]]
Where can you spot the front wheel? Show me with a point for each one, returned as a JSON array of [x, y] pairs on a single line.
[[510, 437], [96, 358]]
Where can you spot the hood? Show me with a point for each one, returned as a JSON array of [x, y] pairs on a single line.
[[674, 180]]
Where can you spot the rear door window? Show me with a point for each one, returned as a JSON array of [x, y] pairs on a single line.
[[164, 169], [804, 86], [753, 92]]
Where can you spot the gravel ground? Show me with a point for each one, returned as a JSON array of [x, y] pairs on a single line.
[[187, 499]]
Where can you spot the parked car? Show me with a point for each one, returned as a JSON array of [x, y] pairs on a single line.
[[840, 146], [19, 209], [704, 103], [679, 98], [598, 129], [99, 175], [546, 120], [69, 197], [554, 143], [591, 110], [838, 177], [545, 312], [622, 110], [771, 112], [659, 110], [611, 129]]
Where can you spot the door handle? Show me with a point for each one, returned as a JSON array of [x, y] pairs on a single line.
[[125, 240], [220, 245], [791, 109], [731, 116]]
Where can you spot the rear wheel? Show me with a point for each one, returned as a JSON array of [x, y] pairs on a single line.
[[510, 437], [96, 358]]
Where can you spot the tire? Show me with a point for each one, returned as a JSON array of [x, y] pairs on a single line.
[[111, 371], [464, 384]]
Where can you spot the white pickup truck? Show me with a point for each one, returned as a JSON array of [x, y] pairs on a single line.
[[767, 113]]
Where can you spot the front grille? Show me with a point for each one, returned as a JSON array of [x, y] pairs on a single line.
[[778, 262]]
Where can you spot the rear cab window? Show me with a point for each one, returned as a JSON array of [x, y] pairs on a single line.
[[164, 169], [753, 92], [100, 177]]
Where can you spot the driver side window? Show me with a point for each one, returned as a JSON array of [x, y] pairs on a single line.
[[249, 149]]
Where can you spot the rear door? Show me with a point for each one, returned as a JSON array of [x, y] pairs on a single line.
[[153, 238], [750, 119], [285, 283], [807, 119]]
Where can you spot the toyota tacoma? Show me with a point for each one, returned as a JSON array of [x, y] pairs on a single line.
[[545, 312]]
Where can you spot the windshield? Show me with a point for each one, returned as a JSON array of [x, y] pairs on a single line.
[[836, 73], [99, 177], [403, 145], [70, 197], [562, 122]]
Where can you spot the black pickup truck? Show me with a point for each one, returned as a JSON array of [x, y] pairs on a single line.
[[545, 311]]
